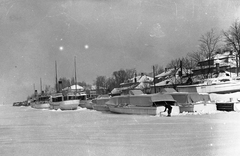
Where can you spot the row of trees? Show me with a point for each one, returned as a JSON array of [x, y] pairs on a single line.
[[210, 44]]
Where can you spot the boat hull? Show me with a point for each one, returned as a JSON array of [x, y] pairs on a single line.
[[89, 105], [219, 88], [214, 88], [228, 106], [143, 110], [198, 108], [55, 105], [101, 107], [83, 103], [69, 105]]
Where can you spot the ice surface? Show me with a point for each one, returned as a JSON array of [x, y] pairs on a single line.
[[25, 131]]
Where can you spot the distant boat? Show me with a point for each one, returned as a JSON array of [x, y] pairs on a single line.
[[68, 99], [222, 84], [83, 99], [62, 101], [55, 100], [42, 102], [99, 103], [147, 104], [17, 104]]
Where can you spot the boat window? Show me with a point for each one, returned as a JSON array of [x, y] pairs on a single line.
[[82, 97], [57, 99], [224, 80], [65, 98], [71, 97], [44, 99]]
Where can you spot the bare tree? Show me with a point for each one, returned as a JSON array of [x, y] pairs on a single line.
[[196, 57], [174, 64], [208, 46], [101, 84], [158, 69], [232, 38]]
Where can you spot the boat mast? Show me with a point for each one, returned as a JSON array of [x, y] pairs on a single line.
[[56, 76], [40, 85], [75, 75]]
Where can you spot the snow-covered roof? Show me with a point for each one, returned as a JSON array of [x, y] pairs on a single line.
[[73, 87], [142, 78], [163, 74], [164, 82]]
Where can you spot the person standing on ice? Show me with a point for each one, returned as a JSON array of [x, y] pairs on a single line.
[[169, 108]]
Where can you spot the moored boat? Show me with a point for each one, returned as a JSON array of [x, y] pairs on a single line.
[[147, 104], [227, 102], [70, 101], [55, 101], [99, 103], [17, 104], [42, 102], [194, 102], [64, 102], [101, 107], [224, 83], [89, 104], [83, 99]]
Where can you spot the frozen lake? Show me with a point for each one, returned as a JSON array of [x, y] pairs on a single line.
[[25, 131]]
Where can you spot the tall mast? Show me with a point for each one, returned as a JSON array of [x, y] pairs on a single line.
[[34, 88], [56, 76], [40, 86], [75, 73]]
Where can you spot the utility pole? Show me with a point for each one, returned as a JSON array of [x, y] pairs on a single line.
[[154, 79]]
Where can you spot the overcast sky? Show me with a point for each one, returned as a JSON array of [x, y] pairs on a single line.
[[104, 35]]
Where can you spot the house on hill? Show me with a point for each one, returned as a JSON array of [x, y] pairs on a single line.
[[220, 62], [140, 82]]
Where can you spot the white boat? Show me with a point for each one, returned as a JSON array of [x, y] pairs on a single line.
[[194, 102], [147, 104], [64, 102], [83, 99], [221, 84], [99, 103], [89, 104], [42, 102], [55, 101], [70, 101]]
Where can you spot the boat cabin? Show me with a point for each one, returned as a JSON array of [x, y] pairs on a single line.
[[56, 97], [145, 100]]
